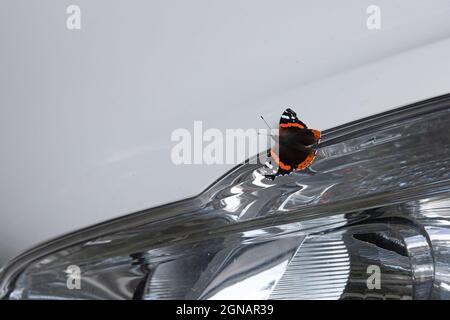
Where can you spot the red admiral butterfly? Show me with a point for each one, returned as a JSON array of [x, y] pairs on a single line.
[[296, 147]]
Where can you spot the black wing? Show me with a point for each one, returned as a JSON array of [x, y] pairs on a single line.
[[289, 116]]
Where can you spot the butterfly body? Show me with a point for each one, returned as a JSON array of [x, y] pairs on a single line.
[[297, 144]]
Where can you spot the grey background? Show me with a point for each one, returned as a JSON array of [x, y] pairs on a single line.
[[86, 116]]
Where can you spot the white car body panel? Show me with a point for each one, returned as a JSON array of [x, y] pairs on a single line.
[[86, 116]]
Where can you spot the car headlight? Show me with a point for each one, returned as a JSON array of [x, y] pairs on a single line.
[[369, 219]]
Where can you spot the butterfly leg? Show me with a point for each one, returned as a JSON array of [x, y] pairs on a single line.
[[270, 176]]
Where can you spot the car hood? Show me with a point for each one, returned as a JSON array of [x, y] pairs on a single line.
[[86, 116]]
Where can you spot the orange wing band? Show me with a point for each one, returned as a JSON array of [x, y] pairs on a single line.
[[316, 134], [278, 162], [305, 163], [291, 124]]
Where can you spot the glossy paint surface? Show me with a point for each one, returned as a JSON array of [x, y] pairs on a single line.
[[86, 116]]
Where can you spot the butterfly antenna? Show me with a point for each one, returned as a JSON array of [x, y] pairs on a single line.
[[270, 135], [268, 126]]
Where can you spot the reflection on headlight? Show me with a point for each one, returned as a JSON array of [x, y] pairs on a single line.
[[370, 219]]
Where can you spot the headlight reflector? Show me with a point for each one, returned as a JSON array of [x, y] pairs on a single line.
[[369, 219]]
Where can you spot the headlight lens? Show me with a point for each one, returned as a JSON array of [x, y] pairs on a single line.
[[369, 219]]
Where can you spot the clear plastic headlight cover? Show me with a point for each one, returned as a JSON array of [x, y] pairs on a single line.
[[369, 219]]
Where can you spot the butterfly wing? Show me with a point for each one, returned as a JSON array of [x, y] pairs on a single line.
[[293, 151], [289, 119]]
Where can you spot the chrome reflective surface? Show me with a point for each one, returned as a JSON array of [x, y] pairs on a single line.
[[377, 197]]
